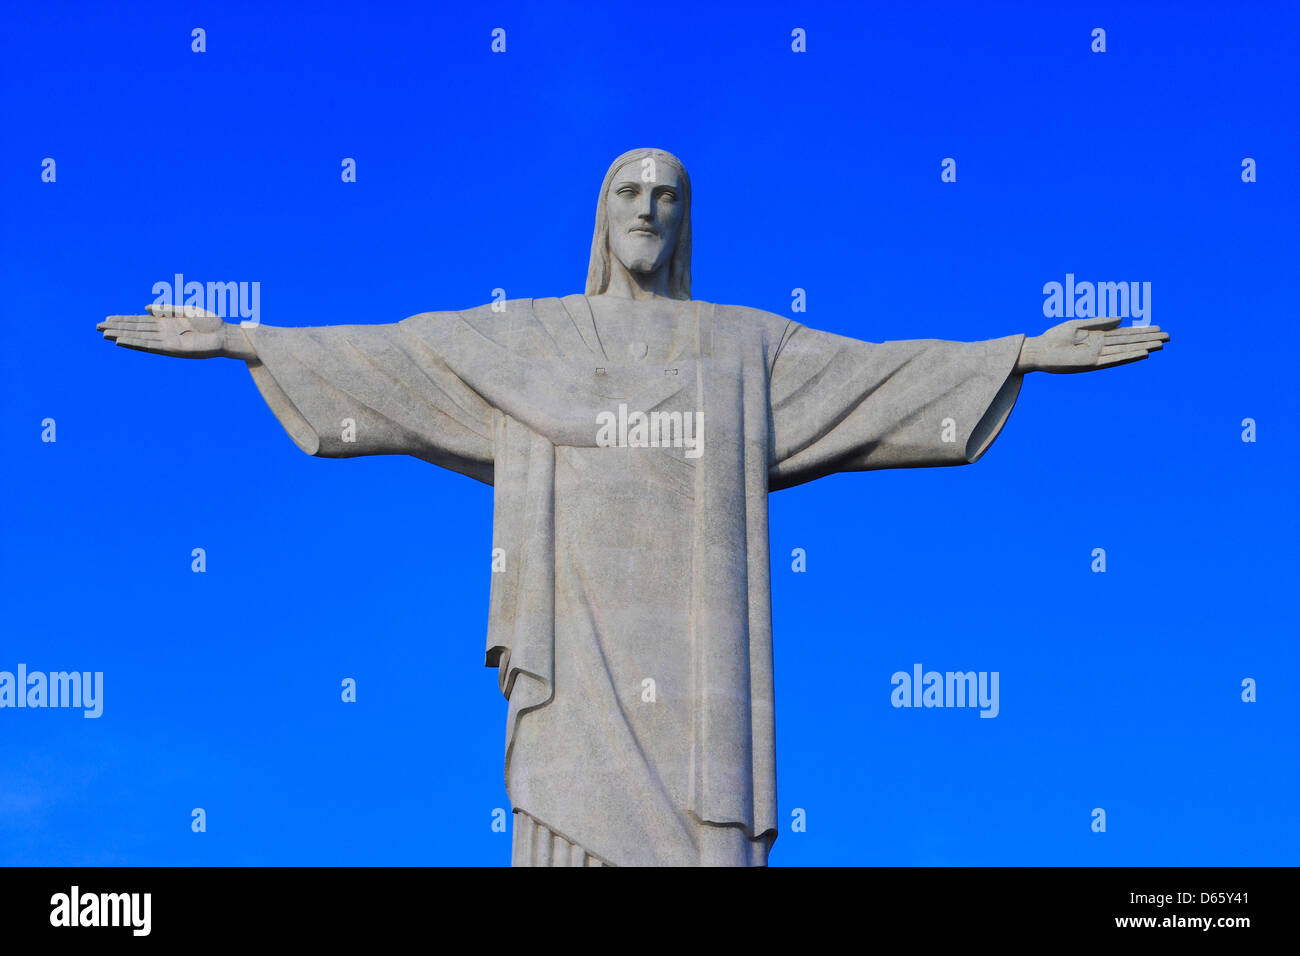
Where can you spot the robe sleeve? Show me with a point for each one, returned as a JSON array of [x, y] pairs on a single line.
[[840, 404], [343, 391]]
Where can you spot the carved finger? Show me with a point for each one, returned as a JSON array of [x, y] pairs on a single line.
[[1152, 346], [1124, 336], [128, 323], [117, 333], [1134, 328], [1122, 358], [141, 341]]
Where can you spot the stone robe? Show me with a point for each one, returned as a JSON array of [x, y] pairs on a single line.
[[629, 565]]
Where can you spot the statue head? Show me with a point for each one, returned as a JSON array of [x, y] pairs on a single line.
[[643, 222]]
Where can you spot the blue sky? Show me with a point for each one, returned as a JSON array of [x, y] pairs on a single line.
[[819, 171]]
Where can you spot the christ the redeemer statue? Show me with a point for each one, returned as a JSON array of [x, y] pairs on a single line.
[[630, 611]]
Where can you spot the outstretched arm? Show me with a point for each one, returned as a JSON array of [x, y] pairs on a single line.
[[1081, 345], [842, 404], [180, 331], [340, 391]]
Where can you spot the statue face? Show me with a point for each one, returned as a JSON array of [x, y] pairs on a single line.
[[644, 215]]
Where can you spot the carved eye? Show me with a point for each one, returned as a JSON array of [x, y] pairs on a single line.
[[627, 191], [669, 195]]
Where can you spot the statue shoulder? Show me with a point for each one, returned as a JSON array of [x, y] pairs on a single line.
[[744, 320], [498, 313]]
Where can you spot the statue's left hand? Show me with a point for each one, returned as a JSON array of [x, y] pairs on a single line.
[[1081, 345], [181, 331]]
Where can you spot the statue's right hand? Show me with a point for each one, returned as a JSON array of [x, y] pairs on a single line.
[[182, 331]]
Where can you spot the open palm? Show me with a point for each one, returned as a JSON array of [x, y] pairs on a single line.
[[182, 331], [1081, 345]]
